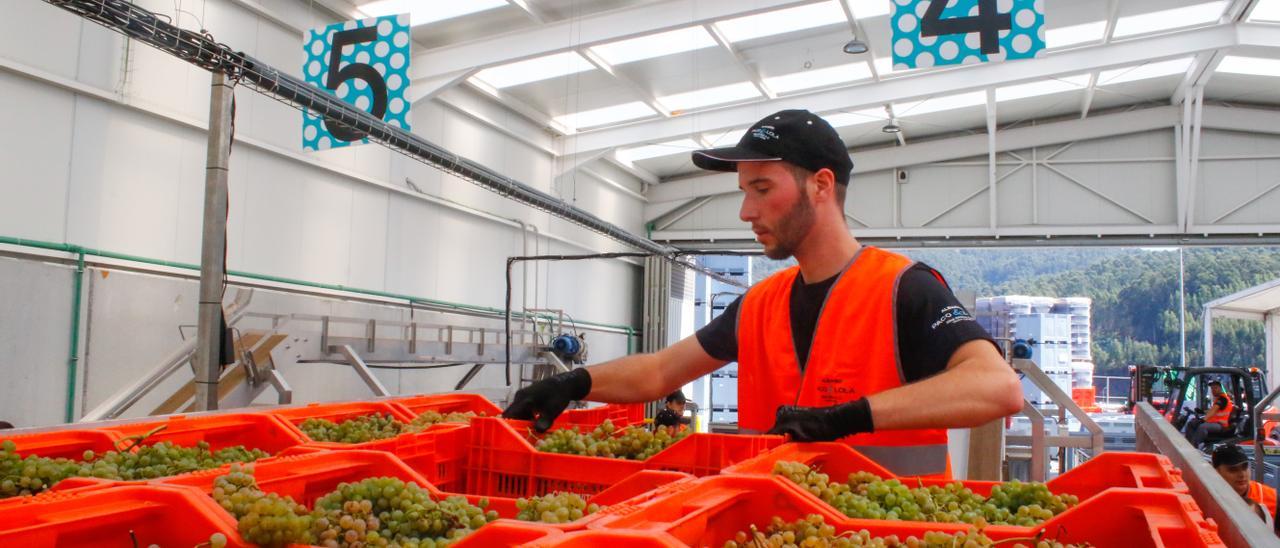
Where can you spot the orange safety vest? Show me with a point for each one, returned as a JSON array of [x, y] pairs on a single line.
[[1221, 417], [854, 353], [1264, 495]]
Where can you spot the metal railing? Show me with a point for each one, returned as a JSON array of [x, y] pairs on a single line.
[[1238, 525]]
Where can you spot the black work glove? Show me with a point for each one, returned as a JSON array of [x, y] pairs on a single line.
[[543, 401], [823, 423]]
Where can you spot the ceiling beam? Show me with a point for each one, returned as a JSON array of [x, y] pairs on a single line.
[[941, 82], [1113, 16], [626, 81], [752, 73], [970, 146], [584, 32]]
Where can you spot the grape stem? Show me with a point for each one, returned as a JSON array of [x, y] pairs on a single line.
[[137, 440]]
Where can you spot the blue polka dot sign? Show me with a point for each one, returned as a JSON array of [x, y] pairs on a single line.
[[366, 64], [931, 33]]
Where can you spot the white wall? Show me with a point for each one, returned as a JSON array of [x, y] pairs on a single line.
[[104, 148]]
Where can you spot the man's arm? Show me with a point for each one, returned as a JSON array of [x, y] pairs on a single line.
[[977, 387], [647, 377]]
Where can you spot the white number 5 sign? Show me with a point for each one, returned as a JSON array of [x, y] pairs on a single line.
[[930, 33]]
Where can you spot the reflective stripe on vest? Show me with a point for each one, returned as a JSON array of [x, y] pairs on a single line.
[[854, 353], [907, 460], [1222, 417]]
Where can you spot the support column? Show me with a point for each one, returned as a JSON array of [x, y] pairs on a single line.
[[213, 245]]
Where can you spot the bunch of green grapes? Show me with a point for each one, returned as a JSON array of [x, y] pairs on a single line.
[[867, 495], [355, 430], [429, 418], [812, 531], [390, 512], [33, 474], [554, 508], [606, 441], [368, 513], [266, 519]]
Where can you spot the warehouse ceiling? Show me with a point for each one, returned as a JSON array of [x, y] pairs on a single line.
[[640, 84]]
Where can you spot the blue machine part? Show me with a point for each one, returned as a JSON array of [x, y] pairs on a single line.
[[1023, 349], [569, 346]]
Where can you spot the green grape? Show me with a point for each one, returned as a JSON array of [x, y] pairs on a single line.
[[429, 418], [355, 430], [606, 441], [371, 512], [217, 540], [866, 495], [33, 474], [554, 508], [813, 531]]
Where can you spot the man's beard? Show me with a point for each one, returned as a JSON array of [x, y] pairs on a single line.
[[792, 229]]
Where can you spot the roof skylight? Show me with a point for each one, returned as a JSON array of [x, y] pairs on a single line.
[[710, 96], [669, 148], [939, 104], [421, 13], [533, 70], [1254, 66], [606, 115], [1197, 14], [782, 21], [1075, 34], [1042, 87], [1144, 72], [655, 45], [817, 78]]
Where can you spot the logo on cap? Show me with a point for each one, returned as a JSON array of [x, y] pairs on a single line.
[[764, 133]]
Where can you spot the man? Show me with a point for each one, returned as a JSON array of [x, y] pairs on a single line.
[[1215, 421], [1232, 464], [854, 343], [673, 413]]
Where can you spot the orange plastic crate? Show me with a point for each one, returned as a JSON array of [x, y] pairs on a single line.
[[156, 515], [1107, 470], [252, 430], [293, 417], [502, 461], [708, 511], [622, 414], [70, 444], [446, 403], [612, 539]]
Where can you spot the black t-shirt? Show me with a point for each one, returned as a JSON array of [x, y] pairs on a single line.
[[931, 323]]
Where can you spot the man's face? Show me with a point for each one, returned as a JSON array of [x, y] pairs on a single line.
[[776, 205], [1237, 475], [676, 407], [1216, 389]]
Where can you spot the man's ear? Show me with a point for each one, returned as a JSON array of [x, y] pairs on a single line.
[[824, 183]]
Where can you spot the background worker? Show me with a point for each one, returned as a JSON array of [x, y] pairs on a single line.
[[854, 342], [673, 413], [1232, 464], [1215, 421]]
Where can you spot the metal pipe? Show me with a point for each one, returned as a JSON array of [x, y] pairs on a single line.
[[73, 361], [213, 243]]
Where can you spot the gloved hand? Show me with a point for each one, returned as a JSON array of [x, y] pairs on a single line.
[[544, 400], [823, 423]]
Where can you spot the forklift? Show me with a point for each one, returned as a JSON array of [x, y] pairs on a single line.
[[1180, 393]]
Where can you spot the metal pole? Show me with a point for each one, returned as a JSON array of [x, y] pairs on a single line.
[[213, 246], [1182, 304]]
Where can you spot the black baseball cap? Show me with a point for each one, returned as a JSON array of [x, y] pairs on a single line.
[[1228, 455], [676, 397], [798, 137]]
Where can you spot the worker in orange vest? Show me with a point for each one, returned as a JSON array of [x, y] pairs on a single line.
[[1232, 464], [1216, 420], [854, 343]]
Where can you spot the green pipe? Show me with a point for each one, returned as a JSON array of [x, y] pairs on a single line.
[[70, 248], [73, 362]]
